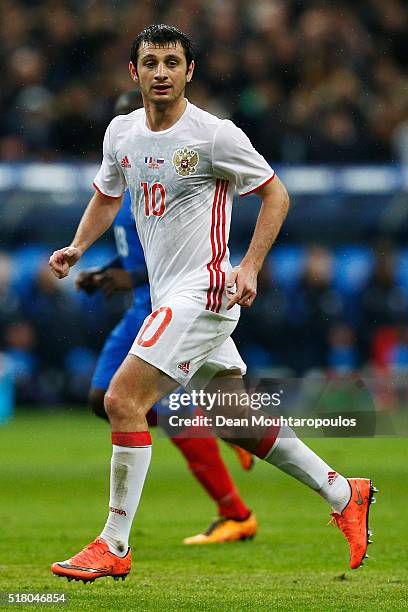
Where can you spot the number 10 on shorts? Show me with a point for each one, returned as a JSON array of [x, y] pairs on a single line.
[[154, 199]]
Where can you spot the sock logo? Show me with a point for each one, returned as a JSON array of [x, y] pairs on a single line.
[[117, 511], [331, 477], [184, 367]]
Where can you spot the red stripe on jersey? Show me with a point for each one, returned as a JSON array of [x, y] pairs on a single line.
[[242, 195], [218, 250], [220, 234], [223, 245], [218, 246], [214, 247], [210, 263], [224, 248]]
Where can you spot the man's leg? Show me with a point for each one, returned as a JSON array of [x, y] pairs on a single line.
[[201, 453], [200, 448], [205, 462], [207, 466], [96, 399], [133, 390], [135, 387], [282, 448]]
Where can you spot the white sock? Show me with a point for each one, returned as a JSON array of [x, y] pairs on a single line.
[[129, 467], [292, 456]]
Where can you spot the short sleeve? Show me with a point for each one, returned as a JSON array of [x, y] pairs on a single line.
[[110, 180], [235, 158]]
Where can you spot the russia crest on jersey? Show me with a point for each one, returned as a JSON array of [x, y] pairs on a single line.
[[185, 161]]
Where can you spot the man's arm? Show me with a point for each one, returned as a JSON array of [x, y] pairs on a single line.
[[86, 279], [97, 218], [111, 278], [275, 205], [118, 279]]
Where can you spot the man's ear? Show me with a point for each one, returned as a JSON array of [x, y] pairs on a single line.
[[190, 71], [133, 72]]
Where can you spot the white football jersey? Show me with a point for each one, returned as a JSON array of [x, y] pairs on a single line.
[[182, 181]]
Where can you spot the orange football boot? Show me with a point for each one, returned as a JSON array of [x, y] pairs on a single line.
[[245, 458], [353, 521], [94, 561], [224, 529]]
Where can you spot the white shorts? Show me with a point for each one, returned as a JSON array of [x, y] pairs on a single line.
[[187, 342]]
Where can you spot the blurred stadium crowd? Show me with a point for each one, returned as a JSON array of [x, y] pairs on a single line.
[[331, 313], [308, 81]]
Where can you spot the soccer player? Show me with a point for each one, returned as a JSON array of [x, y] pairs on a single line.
[[126, 272], [182, 166]]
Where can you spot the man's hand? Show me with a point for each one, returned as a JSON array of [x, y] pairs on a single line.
[[97, 218], [114, 279], [109, 281], [63, 259], [245, 280], [275, 204], [86, 280]]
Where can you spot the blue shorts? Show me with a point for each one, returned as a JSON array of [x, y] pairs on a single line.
[[116, 348]]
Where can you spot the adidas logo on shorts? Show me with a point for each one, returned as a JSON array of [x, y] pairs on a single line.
[[184, 367]]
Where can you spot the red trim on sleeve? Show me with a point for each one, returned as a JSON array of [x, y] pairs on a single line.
[[105, 194], [242, 195], [131, 438]]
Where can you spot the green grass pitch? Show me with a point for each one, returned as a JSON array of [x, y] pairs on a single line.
[[54, 471]]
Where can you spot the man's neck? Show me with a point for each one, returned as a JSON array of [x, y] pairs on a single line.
[[161, 118]]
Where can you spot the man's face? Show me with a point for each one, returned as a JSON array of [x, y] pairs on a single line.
[[161, 72]]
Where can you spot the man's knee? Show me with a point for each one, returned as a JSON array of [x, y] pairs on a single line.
[[96, 401], [120, 406]]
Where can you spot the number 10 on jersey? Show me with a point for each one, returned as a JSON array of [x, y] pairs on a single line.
[[154, 199]]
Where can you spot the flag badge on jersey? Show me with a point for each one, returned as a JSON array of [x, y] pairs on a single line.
[[153, 162], [185, 161]]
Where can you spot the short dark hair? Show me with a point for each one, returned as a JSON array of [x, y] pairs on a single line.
[[162, 35]]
